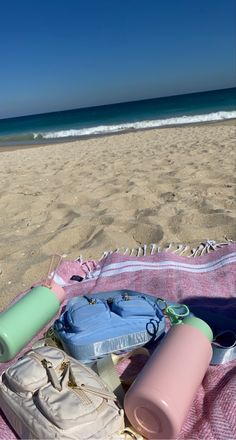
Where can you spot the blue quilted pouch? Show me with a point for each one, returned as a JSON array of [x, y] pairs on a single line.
[[93, 326]]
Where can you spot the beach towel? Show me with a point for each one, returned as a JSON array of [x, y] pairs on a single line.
[[205, 280]]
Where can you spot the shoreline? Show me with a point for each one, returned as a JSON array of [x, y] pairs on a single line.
[[67, 140]]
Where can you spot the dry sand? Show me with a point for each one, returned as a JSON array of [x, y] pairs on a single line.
[[89, 196]]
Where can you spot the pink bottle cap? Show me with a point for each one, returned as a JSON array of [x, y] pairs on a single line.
[[58, 290]]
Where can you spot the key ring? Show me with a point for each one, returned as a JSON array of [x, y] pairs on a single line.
[[174, 316], [163, 302], [171, 311]]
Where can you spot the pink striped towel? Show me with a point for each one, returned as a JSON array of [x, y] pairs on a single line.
[[208, 281]]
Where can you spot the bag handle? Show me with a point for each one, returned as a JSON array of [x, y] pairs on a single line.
[[105, 368]]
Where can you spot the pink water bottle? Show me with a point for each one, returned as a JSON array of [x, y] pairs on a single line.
[[158, 401]]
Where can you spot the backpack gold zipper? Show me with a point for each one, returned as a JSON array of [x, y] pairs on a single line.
[[81, 390], [89, 389], [51, 371]]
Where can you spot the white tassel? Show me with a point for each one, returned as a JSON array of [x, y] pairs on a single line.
[[229, 240], [185, 248], [179, 248], [201, 248], [104, 255], [152, 248], [144, 250], [168, 247], [211, 244], [193, 252], [79, 259], [139, 251]]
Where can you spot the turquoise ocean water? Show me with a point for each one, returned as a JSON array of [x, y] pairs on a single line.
[[72, 124]]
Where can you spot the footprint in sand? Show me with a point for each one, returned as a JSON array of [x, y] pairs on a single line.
[[106, 220], [95, 238], [144, 214], [168, 197], [146, 233]]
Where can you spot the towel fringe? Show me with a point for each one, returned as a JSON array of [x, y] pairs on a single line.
[[179, 249], [168, 247]]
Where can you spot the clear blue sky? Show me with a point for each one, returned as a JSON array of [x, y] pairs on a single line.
[[62, 54]]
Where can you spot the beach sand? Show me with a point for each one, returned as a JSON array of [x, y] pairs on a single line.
[[89, 196]]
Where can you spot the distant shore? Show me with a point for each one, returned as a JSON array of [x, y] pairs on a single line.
[[169, 185]]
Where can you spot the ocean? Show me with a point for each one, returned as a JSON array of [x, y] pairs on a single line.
[[67, 125]]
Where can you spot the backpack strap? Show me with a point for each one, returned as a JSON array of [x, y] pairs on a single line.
[[224, 329], [225, 350], [105, 368]]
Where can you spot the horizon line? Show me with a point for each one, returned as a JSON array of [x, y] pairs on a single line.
[[114, 103]]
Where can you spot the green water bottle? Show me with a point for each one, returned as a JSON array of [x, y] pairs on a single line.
[[24, 319]]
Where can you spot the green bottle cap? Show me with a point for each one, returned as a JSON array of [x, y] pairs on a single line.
[[201, 325]]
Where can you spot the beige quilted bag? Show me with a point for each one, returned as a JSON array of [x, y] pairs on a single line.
[[47, 394]]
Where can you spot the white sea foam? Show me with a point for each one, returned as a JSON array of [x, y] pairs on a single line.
[[105, 129]]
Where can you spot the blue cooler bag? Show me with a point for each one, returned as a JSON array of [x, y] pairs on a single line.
[[93, 326]]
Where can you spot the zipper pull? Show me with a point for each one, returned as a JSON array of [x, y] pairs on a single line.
[[52, 376]]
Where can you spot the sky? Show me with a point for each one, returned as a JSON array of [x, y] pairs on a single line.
[[65, 54]]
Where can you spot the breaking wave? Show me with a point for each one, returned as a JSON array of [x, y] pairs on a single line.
[[43, 137], [107, 129]]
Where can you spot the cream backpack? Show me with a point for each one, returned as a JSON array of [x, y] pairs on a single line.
[[48, 395]]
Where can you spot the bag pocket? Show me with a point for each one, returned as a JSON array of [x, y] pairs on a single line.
[[28, 373], [66, 408], [77, 404], [83, 315], [134, 306]]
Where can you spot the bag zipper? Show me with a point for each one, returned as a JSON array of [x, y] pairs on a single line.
[[103, 394], [51, 371], [81, 390], [88, 389], [52, 374]]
